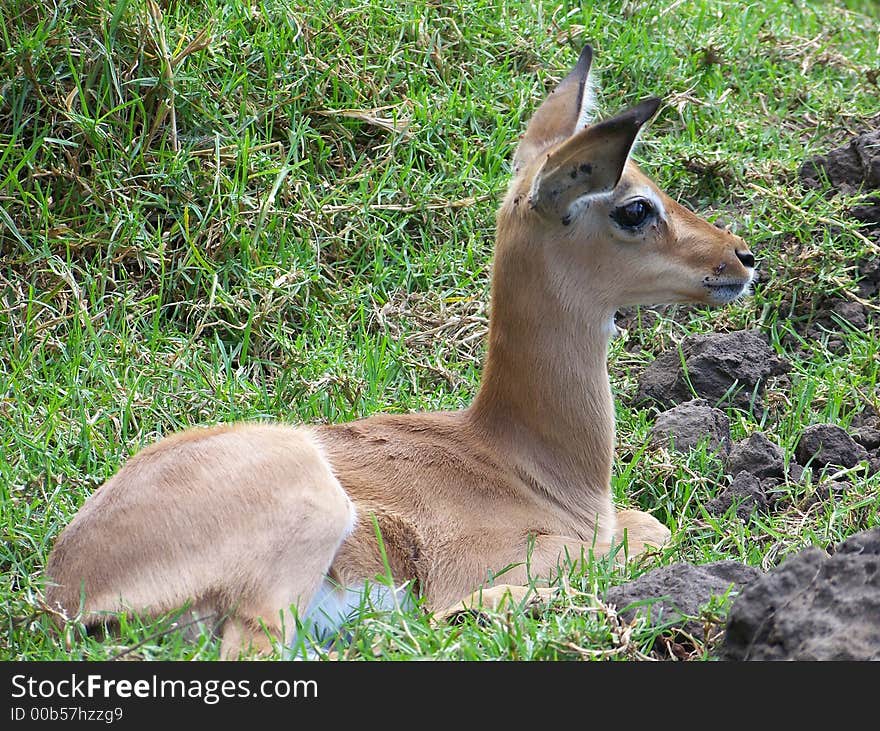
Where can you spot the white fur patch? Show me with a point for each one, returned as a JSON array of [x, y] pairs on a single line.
[[587, 112], [611, 329], [652, 196], [333, 605], [579, 205]]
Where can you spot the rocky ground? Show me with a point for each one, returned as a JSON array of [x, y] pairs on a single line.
[[812, 607], [823, 602]]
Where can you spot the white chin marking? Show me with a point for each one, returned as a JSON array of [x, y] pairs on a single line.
[[726, 293]]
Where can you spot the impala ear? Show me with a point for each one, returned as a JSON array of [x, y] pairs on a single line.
[[565, 111], [589, 162]]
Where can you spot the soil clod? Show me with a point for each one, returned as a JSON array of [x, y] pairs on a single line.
[[746, 492], [822, 445], [758, 456], [721, 368], [812, 607], [676, 594], [690, 424]]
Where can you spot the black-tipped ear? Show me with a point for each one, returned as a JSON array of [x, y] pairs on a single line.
[[560, 113], [582, 72], [590, 161], [637, 115]]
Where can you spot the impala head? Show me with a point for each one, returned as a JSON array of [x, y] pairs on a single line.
[[580, 205]]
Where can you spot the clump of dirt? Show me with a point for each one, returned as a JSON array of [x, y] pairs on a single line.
[[764, 462], [825, 490], [853, 313], [760, 475], [823, 445], [811, 607], [868, 211], [831, 315], [868, 437], [687, 425], [847, 168], [721, 368], [869, 279], [746, 492], [851, 169], [675, 594], [865, 428], [758, 456]]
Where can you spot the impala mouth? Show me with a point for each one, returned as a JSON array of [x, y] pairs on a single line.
[[725, 290]]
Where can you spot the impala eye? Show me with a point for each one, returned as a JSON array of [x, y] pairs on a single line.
[[634, 213]]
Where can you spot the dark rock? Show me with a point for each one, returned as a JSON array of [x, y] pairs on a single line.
[[721, 367], [758, 456], [869, 278], [830, 487], [691, 423], [834, 315], [813, 331], [851, 312], [868, 437], [866, 417], [874, 462], [811, 607], [774, 490], [680, 591], [746, 492], [828, 444], [836, 346], [867, 210], [848, 169]]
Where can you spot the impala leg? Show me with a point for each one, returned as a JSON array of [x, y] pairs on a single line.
[[241, 522], [547, 555], [638, 531], [285, 582], [499, 598]]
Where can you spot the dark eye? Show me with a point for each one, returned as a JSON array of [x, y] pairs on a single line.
[[634, 213]]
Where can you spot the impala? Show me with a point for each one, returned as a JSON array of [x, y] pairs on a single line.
[[261, 525]]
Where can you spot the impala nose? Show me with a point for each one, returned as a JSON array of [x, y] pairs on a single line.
[[746, 258]]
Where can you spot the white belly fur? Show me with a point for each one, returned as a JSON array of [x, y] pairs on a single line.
[[334, 605]]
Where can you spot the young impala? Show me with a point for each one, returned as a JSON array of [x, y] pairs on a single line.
[[260, 524]]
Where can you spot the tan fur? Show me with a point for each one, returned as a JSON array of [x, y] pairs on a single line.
[[245, 522]]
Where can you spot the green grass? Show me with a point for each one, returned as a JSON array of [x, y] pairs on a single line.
[[285, 211]]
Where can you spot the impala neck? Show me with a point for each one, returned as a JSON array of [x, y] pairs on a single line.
[[545, 398]]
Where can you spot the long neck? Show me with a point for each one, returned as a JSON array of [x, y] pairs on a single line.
[[545, 397]]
